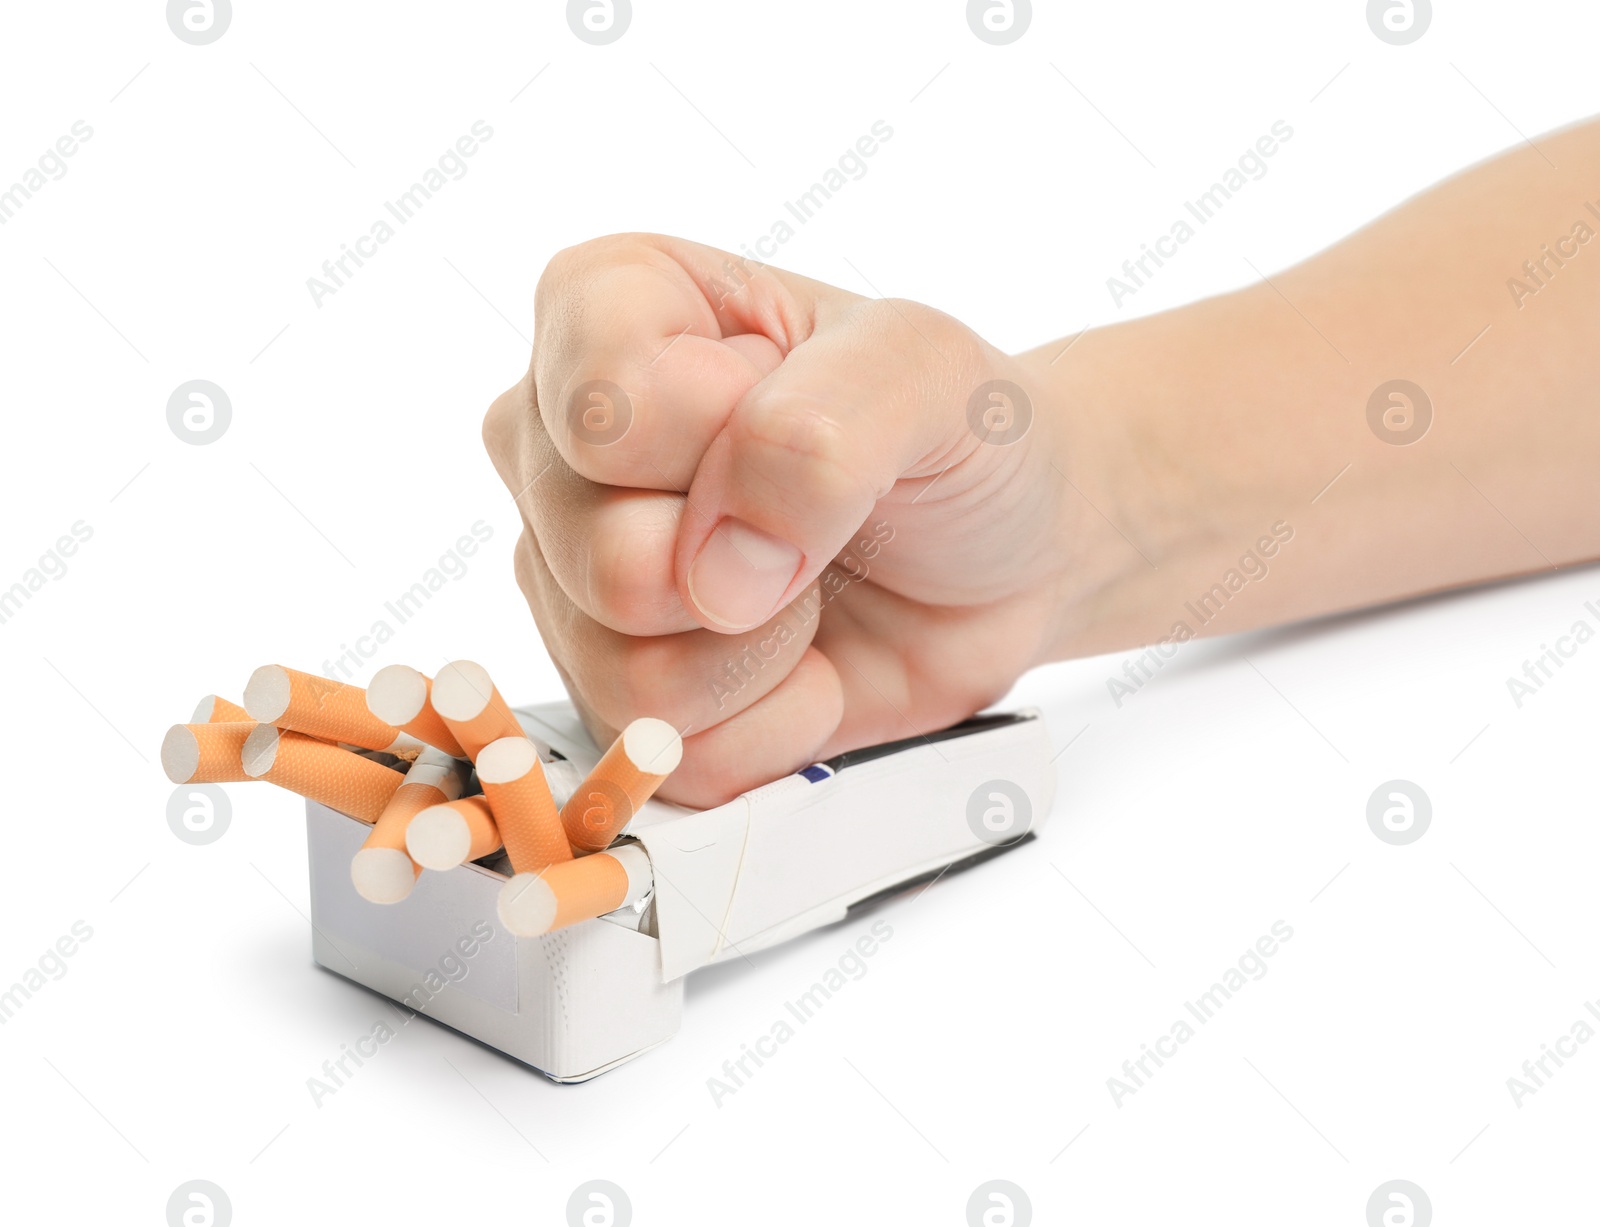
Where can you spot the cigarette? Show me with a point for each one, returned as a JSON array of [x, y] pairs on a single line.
[[382, 871], [205, 753], [322, 708], [627, 774], [400, 696], [471, 707], [451, 834], [570, 891], [326, 774], [519, 797], [213, 709]]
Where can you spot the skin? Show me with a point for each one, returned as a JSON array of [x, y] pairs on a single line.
[[801, 542]]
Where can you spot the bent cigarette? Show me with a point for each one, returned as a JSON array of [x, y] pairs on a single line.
[[322, 708], [400, 696], [382, 871], [570, 891], [203, 753], [451, 834], [326, 774], [626, 776], [214, 709], [519, 797], [472, 709]]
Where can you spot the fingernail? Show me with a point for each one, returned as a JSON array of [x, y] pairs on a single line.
[[741, 574]]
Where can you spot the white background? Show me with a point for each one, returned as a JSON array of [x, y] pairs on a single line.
[[1228, 794]]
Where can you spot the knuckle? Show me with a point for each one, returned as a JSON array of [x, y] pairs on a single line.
[[801, 427], [520, 447], [579, 262], [918, 328], [805, 439], [500, 423], [557, 274]]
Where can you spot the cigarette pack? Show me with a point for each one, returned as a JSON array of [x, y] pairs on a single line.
[[771, 864]]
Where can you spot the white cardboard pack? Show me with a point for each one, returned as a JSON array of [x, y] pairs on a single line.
[[769, 865]]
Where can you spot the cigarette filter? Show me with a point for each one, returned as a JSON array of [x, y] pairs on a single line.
[[453, 833], [382, 871], [570, 891], [327, 774], [519, 797], [471, 707], [320, 707], [400, 696], [205, 753], [627, 774]]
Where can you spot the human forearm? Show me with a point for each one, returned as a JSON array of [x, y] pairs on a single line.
[[1193, 433]]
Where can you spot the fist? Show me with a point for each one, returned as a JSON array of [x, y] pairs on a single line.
[[786, 518]]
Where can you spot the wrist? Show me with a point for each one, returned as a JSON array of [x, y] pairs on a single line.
[[1150, 501]]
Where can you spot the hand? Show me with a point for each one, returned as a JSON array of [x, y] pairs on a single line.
[[766, 510]]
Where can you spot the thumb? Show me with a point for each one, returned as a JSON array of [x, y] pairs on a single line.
[[811, 448]]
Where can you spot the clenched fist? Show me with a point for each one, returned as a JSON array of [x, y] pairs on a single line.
[[788, 519]]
